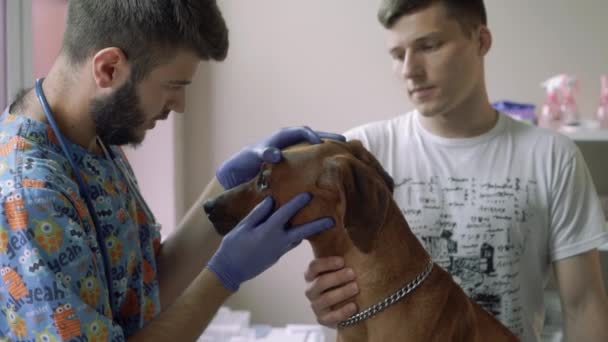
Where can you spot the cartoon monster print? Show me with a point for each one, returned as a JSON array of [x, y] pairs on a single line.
[[49, 235], [31, 262], [114, 247], [15, 322], [13, 283], [9, 118], [122, 187], [15, 212], [131, 263], [148, 272], [3, 240], [81, 207], [120, 288], [33, 183], [63, 279], [122, 215], [156, 245], [50, 133], [130, 305], [141, 216], [46, 336], [149, 310], [74, 232], [3, 168], [66, 322], [103, 207], [14, 143], [97, 331], [7, 187], [91, 165], [90, 290], [108, 186]]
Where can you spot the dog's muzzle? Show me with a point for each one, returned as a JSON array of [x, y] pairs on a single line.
[[222, 225]]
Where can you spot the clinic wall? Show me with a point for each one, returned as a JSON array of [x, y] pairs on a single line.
[[3, 85], [323, 64], [48, 24]]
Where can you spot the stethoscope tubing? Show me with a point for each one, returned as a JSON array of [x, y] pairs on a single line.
[[84, 193]]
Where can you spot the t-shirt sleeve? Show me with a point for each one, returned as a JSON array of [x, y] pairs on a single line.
[[577, 220], [358, 133], [53, 281]]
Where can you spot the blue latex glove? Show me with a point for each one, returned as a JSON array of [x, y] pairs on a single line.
[[245, 165], [260, 239]]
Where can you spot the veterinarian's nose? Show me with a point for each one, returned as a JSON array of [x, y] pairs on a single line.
[[209, 205]]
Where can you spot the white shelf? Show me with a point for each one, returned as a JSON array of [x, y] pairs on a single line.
[[588, 131], [587, 135], [604, 248]]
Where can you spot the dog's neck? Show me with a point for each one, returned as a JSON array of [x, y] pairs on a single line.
[[396, 258]]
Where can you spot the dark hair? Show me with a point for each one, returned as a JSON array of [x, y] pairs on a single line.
[[148, 31], [469, 13]]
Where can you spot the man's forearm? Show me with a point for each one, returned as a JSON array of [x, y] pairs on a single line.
[[187, 251], [588, 323], [189, 315]]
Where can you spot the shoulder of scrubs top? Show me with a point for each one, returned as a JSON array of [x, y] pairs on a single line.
[[54, 282]]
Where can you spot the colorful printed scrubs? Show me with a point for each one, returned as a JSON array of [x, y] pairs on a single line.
[[54, 286]]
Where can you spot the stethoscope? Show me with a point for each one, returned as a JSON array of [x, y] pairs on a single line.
[[84, 191]]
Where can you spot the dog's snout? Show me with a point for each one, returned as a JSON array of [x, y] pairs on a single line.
[[209, 206]]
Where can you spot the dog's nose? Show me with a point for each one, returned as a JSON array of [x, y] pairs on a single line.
[[209, 205]]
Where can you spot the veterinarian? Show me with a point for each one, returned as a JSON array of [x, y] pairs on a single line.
[[80, 251], [497, 203]]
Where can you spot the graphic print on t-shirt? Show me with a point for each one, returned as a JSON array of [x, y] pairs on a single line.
[[476, 230]]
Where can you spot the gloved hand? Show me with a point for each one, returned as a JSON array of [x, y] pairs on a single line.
[[260, 239], [245, 164]]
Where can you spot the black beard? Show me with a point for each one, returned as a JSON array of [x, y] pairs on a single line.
[[117, 116]]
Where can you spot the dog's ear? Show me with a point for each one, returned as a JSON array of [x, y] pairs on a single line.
[[365, 156], [363, 197]]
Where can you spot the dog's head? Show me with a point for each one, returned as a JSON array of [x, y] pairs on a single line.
[[347, 184]]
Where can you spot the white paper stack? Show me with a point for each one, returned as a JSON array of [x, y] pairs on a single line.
[[234, 326], [229, 326]]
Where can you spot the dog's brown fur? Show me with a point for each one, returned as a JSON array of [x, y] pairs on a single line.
[[349, 184]]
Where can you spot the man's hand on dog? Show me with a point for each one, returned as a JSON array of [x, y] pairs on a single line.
[[245, 165], [329, 285], [260, 239]]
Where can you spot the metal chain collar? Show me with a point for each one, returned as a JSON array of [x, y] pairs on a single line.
[[388, 301]]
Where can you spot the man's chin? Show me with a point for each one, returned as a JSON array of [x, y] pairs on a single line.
[[427, 110], [430, 109]]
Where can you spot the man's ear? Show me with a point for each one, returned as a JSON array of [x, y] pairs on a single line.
[[111, 68], [363, 198], [485, 40]]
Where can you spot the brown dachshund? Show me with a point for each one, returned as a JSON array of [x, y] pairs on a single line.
[[407, 297]]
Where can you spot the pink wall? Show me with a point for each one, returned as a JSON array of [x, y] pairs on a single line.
[[154, 161], [3, 90], [48, 23]]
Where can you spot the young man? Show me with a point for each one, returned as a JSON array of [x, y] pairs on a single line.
[[80, 252], [496, 202]]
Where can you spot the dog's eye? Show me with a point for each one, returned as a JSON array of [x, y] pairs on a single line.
[[262, 182]]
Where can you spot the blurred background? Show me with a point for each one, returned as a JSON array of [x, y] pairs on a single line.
[[322, 64]]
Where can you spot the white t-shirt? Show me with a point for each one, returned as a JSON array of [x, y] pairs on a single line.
[[494, 210]]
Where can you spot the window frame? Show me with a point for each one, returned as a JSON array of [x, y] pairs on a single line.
[[18, 45]]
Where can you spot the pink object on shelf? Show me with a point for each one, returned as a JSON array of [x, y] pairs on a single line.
[[550, 115], [602, 111]]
